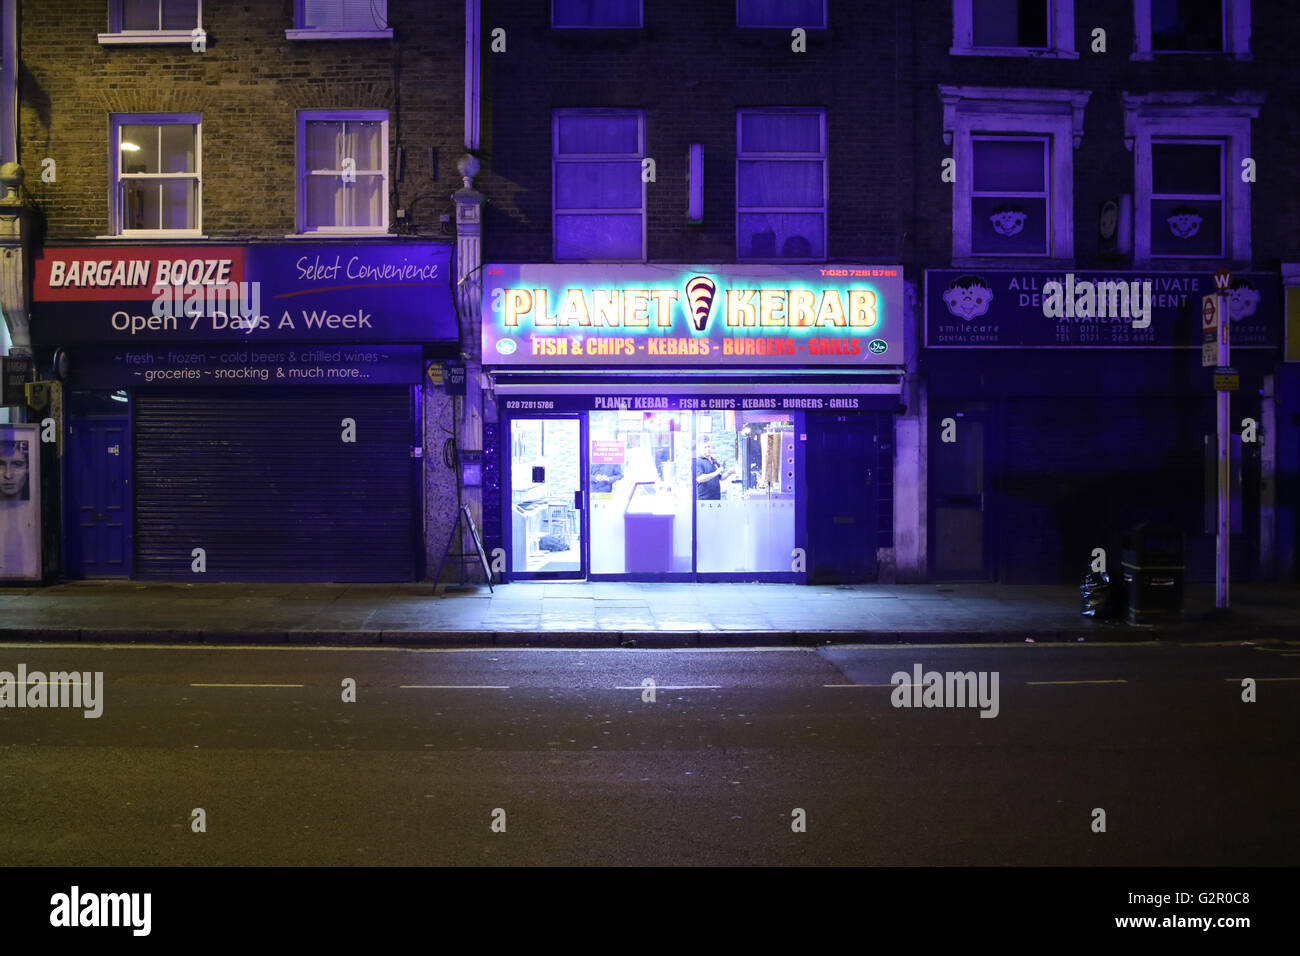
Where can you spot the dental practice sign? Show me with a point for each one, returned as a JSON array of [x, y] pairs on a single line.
[[679, 316], [1000, 309], [286, 292]]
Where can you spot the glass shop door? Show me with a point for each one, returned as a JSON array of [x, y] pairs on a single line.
[[546, 526]]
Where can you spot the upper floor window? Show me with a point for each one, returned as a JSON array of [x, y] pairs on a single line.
[[1189, 198], [1010, 198], [152, 21], [781, 184], [343, 171], [1191, 26], [157, 173], [599, 193], [596, 13], [1013, 152], [339, 20], [781, 13], [1041, 28]]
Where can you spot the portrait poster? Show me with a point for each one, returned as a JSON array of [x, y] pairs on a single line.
[[20, 503]]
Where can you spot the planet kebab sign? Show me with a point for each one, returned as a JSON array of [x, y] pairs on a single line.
[[684, 315], [281, 292]]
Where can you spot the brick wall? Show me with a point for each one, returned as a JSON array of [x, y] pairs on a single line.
[[1103, 167], [247, 85], [690, 69]]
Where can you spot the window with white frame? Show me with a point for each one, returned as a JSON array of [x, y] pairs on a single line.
[[157, 174], [339, 20], [152, 21], [781, 184], [1011, 195], [596, 13], [1187, 198], [1040, 28], [781, 13], [1190, 201], [343, 171], [1191, 26], [599, 195], [1013, 152]]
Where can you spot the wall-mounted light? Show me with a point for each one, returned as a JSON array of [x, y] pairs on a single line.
[[695, 184], [129, 147]]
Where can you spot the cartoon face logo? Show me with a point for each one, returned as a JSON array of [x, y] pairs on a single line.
[[699, 298], [1243, 299], [1185, 222], [968, 297], [1008, 220]]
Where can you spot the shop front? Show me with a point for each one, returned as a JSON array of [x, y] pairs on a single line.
[[1066, 408], [673, 422], [243, 412]]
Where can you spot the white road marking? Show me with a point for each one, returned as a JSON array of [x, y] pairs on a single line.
[[672, 687], [1238, 680], [1039, 683]]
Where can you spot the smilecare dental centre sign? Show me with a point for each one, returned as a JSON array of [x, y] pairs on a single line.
[[673, 315]]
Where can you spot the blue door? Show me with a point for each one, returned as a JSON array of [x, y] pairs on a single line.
[[99, 497]]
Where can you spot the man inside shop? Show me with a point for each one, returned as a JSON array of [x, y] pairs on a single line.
[[603, 477], [708, 473]]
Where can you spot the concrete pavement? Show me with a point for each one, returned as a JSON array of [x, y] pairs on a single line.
[[596, 614]]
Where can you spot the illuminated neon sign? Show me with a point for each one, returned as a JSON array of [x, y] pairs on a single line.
[[591, 314]]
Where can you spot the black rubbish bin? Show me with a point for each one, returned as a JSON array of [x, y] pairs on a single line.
[[1154, 562]]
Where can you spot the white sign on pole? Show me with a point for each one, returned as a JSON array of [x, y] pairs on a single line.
[[1210, 331]]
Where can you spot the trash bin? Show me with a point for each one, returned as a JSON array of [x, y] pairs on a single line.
[[1154, 563]]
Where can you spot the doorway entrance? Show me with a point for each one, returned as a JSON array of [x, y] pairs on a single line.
[[99, 496], [960, 542], [546, 508]]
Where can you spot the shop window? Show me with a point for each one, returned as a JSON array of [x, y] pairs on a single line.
[[1187, 198], [744, 491], [599, 194], [1190, 200], [343, 172], [1191, 26], [339, 20], [1013, 165], [1010, 208], [810, 14], [641, 485], [152, 21], [596, 13], [156, 189], [1039, 28], [781, 185]]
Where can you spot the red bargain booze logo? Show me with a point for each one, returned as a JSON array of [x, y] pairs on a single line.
[[127, 273]]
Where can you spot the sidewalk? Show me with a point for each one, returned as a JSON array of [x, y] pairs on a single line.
[[582, 614]]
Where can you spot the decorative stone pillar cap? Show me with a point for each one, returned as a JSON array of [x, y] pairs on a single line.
[[11, 177]]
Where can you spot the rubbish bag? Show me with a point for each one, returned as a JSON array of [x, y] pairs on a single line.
[[1096, 593], [554, 542]]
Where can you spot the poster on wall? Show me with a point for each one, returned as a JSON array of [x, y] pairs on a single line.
[[20, 503], [692, 316]]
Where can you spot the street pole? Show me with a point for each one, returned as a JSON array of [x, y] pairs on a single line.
[[1223, 541]]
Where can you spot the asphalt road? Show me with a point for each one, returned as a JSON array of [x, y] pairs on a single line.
[[588, 770]]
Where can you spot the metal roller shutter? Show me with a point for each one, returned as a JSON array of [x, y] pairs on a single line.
[[261, 479]]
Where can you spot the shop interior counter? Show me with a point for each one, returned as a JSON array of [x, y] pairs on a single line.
[[648, 530]]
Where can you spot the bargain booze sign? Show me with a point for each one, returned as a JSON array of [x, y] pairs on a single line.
[[275, 292], [692, 315]]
